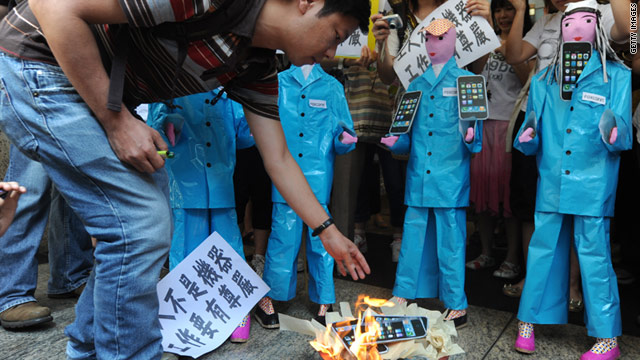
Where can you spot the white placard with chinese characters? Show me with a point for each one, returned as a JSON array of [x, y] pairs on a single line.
[[206, 297], [352, 46], [475, 38]]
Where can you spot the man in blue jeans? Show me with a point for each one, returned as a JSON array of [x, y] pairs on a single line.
[[56, 107], [70, 250]]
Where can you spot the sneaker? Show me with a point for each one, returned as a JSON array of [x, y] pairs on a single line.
[[603, 349], [396, 245], [360, 239], [526, 341], [241, 333], [257, 264], [25, 315], [507, 270], [481, 262], [459, 318]]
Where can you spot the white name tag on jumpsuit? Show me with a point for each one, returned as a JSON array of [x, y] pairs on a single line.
[[320, 104], [449, 91], [598, 99]]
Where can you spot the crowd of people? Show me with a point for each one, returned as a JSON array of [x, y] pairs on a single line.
[[286, 152]]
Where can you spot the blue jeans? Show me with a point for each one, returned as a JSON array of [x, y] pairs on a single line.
[[127, 211], [18, 247]]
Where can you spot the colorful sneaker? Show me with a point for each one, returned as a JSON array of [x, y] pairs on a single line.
[[603, 349], [459, 318], [481, 262], [526, 341], [241, 333]]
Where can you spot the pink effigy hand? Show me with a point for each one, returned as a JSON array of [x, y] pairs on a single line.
[[389, 140], [527, 135], [613, 136], [469, 137], [170, 131], [347, 139]]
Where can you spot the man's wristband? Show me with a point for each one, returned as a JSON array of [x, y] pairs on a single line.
[[317, 231]]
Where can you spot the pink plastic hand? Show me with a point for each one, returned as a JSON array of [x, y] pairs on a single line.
[[389, 141], [527, 135], [469, 137], [613, 136], [170, 131], [347, 139]]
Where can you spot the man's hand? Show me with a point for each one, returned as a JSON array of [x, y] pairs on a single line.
[[8, 203], [367, 57], [345, 253], [135, 143]]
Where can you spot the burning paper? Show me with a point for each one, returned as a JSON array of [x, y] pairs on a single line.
[[437, 344]]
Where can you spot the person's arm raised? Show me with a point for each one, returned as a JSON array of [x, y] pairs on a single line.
[[291, 183], [65, 25], [516, 49]]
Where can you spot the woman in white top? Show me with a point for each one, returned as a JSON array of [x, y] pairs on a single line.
[[491, 168]]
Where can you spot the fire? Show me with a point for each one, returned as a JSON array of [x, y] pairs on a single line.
[[364, 344]]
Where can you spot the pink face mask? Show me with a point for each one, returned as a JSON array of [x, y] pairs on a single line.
[[579, 26], [441, 48]]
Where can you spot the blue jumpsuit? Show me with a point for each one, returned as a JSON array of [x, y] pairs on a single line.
[[432, 257], [201, 173], [576, 192], [311, 111]]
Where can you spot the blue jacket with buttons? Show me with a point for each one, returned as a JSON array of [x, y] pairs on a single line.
[[438, 169], [577, 165], [313, 112], [201, 172]]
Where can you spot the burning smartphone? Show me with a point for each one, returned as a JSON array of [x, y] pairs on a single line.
[[575, 55], [472, 97], [392, 329], [346, 330]]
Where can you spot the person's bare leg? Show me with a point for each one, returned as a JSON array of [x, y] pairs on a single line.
[[575, 293], [511, 232], [486, 225]]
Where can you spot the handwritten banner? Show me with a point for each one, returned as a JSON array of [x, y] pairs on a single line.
[[206, 297], [351, 47], [475, 38]]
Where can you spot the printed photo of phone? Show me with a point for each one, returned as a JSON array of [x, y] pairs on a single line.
[[406, 112], [472, 97], [575, 56]]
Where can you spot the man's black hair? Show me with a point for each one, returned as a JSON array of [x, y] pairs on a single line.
[[357, 9]]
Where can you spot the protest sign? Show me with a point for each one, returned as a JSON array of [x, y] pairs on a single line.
[[474, 38], [206, 297], [351, 47]]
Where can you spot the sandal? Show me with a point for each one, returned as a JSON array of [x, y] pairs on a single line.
[[512, 290], [576, 305], [481, 262]]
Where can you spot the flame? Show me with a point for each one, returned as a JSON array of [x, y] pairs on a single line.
[[364, 345]]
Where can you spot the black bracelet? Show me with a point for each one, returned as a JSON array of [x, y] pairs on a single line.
[[317, 231]]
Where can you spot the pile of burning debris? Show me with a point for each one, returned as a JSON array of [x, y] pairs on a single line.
[[382, 330]]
